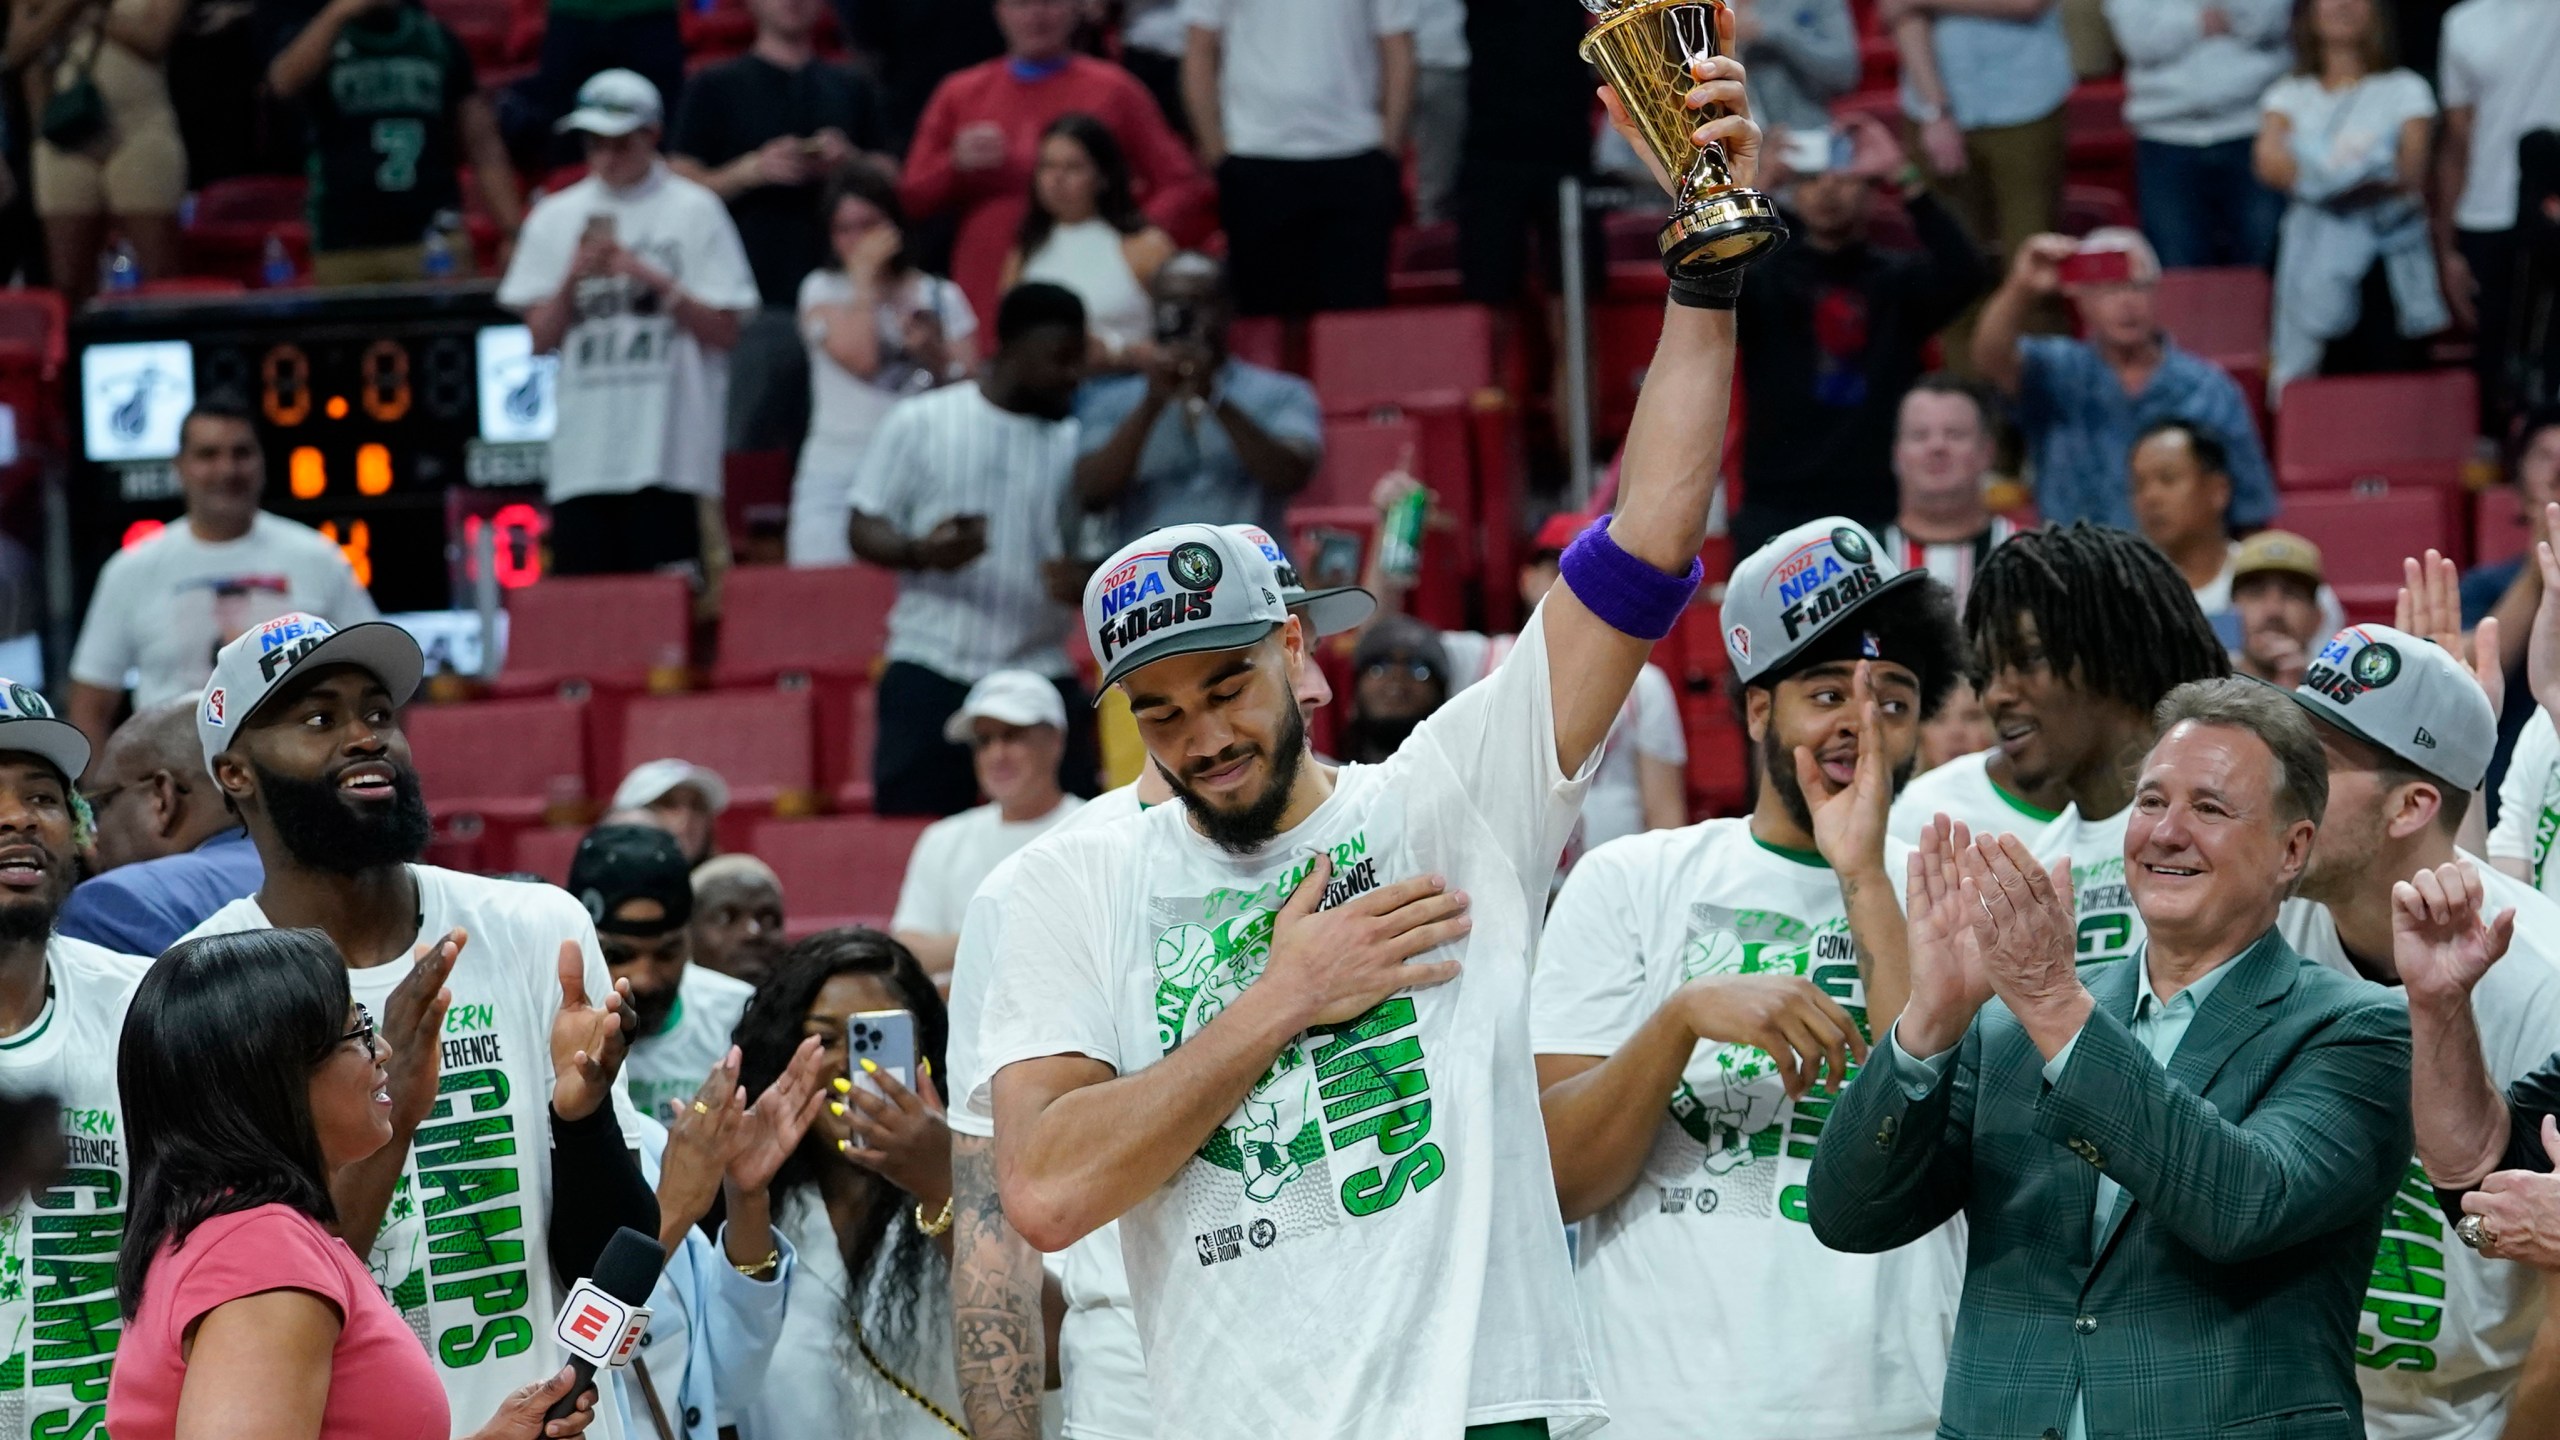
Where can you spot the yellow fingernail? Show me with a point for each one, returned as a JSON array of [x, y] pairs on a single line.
[[844, 1147], [843, 1086], [924, 1067], [837, 1109], [870, 1069]]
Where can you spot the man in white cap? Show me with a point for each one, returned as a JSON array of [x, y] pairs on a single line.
[[1015, 725], [1240, 1027], [1697, 991], [508, 1165], [2444, 1336], [636, 279], [684, 799], [62, 1004]]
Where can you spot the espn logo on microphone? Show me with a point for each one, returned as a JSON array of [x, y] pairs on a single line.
[[600, 1329]]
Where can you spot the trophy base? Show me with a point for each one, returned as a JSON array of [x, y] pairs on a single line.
[[1719, 233]]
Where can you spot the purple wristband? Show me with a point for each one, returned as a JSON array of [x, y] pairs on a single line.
[[1628, 594]]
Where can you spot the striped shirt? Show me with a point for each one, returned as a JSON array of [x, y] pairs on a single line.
[[1953, 562], [952, 452]]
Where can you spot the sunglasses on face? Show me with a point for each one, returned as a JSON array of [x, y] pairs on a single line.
[[366, 1031]]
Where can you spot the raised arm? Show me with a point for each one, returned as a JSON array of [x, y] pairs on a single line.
[[2443, 943]]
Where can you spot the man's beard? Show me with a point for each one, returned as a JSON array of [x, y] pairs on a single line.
[[31, 919], [1778, 771], [1241, 832], [323, 830], [652, 1011]]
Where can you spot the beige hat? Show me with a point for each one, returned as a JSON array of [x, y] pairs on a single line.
[[2280, 551]]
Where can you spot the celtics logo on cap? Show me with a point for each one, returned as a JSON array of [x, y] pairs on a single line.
[[27, 703], [1851, 545], [1194, 565], [2375, 666]]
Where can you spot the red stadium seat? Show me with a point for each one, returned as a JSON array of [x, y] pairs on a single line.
[[623, 632], [499, 767], [2365, 533], [778, 621], [1263, 340], [842, 870], [546, 853], [1719, 758], [2406, 429], [2221, 313], [35, 320], [2499, 530], [227, 234], [764, 743], [1435, 354], [845, 769], [1358, 453]]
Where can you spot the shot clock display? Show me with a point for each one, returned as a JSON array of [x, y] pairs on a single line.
[[398, 420]]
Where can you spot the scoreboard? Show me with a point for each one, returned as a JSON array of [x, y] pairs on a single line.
[[400, 421]]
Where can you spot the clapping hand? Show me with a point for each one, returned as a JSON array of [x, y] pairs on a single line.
[[588, 1040], [2519, 1210], [2027, 925], [413, 1026], [703, 1140], [1948, 981], [780, 1116], [2430, 607], [2438, 940]]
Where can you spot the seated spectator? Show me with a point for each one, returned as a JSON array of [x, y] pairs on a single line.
[[1301, 107], [635, 278], [1400, 674], [1083, 231], [737, 915], [1441, 58], [634, 881], [2511, 590], [2283, 605], [684, 799], [2082, 403], [978, 143], [1840, 328], [161, 608], [2499, 83], [965, 494], [1015, 727], [114, 163], [1802, 56], [865, 1201], [2181, 491], [877, 330], [2346, 137], [169, 853], [394, 109], [763, 132], [2194, 72], [1200, 436], [1983, 86], [1944, 446]]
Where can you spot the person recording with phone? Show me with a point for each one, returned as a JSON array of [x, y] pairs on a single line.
[[865, 1198]]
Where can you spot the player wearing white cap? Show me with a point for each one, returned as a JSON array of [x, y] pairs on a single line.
[[1280, 1030], [1693, 988], [2444, 1336]]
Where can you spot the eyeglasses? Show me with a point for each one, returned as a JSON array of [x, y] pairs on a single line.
[[98, 799], [1410, 669], [366, 1031]]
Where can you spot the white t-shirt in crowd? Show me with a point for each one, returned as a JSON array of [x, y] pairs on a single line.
[[1102, 1364], [2110, 928], [2355, 130], [952, 859], [1301, 79], [1962, 789], [1440, 34], [58, 1245], [666, 1070], [1719, 1207], [2529, 803], [846, 410], [1370, 1245], [164, 607], [2442, 1337], [464, 1250], [954, 452], [2501, 60], [817, 1383], [640, 401], [1647, 725]]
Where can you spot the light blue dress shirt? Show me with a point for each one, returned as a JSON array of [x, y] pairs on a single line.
[[2158, 1026]]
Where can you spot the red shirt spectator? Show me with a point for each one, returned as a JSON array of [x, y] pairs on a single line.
[[980, 137]]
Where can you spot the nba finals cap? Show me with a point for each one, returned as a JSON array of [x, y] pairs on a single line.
[[1179, 591], [1329, 611], [617, 864], [1799, 587], [2408, 697], [29, 726], [1009, 697], [614, 102], [2276, 552], [256, 665]]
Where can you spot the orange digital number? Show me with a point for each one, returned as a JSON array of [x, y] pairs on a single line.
[[307, 472], [373, 469], [285, 386], [386, 380], [357, 546]]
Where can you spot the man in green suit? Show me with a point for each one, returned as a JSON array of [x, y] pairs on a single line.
[[2175, 1166]]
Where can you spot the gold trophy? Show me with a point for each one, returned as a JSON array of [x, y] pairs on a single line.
[[1646, 50]]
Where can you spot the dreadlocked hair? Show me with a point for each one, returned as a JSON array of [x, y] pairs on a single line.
[[2111, 614]]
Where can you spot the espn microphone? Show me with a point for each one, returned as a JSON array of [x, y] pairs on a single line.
[[605, 1315]]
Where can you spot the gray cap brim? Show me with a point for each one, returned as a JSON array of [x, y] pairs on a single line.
[[2328, 716], [58, 742], [1217, 637], [389, 653], [1333, 611]]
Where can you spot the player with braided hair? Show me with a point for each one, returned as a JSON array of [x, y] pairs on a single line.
[[2077, 634]]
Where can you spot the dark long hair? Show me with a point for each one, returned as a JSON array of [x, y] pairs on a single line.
[[864, 181], [2381, 48], [766, 1036], [215, 1072], [1116, 202], [2110, 612]]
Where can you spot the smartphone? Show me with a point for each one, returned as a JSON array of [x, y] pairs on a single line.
[[886, 1038], [2098, 267], [1817, 152], [600, 228]]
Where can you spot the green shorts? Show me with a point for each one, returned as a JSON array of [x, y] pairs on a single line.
[[1509, 1430]]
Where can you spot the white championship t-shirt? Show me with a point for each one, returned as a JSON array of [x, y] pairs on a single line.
[[845, 409], [58, 1246], [1370, 1245], [1962, 789], [954, 856], [640, 401], [2442, 1337], [2110, 928], [2498, 59], [1299, 79], [464, 1251], [1719, 1208], [2529, 802], [164, 607], [666, 1070]]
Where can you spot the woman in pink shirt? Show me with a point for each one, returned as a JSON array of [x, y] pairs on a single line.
[[249, 1077]]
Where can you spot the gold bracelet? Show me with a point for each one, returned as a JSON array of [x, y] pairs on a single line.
[[762, 1269], [935, 1228]]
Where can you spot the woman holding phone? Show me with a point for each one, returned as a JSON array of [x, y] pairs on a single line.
[[250, 1076], [866, 1199]]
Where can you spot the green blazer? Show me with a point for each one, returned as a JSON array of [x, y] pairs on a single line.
[[2222, 1299]]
